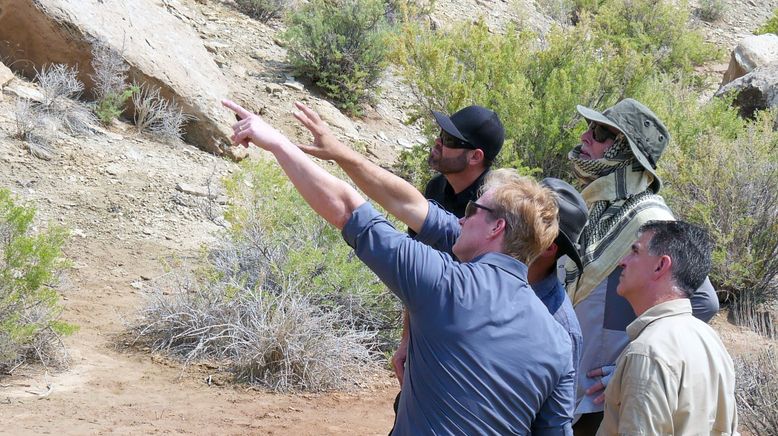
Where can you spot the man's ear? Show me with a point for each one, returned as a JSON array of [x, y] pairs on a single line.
[[498, 226], [663, 266], [476, 156]]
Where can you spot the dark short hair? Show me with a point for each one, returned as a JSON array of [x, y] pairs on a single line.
[[689, 246]]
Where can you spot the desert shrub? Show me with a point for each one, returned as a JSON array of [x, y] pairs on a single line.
[[534, 94], [711, 10], [30, 328], [725, 180], [61, 90], [156, 115], [535, 87], [757, 392], [771, 26], [405, 11], [110, 82], [340, 46], [262, 10], [559, 10], [658, 29], [282, 340], [280, 299], [58, 82]]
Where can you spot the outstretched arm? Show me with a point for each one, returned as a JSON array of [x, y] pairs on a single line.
[[329, 196], [393, 193]]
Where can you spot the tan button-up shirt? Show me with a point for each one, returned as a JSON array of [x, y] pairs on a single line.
[[675, 377]]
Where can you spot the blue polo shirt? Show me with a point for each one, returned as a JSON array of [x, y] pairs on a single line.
[[553, 295], [485, 356]]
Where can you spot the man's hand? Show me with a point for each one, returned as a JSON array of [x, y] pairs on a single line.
[[251, 128], [605, 373], [398, 360], [325, 145]]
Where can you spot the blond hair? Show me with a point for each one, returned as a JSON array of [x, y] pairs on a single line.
[[529, 210]]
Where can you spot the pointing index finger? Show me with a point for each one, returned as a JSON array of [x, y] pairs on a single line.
[[235, 107]]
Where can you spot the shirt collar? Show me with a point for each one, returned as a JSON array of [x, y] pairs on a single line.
[[505, 263], [545, 287], [679, 306]]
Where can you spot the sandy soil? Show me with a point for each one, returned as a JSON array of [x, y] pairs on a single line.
[[117, 193]]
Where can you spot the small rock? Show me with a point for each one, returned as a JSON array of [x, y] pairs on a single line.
[[78, 232], [147, 231], [294, 85], [137, 285], [404, 143], [197, 191], [272, 88], [145, 277]]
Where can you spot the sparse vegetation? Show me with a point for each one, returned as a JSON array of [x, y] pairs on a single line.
[[711, 10], [30, 329], [262, 10], [279, 301], [771, 26], [595, 63], [757, 392], [156, 115], [58, 82], [111, 89], [340, 46]]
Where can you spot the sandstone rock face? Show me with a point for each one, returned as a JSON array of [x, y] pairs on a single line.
[[756, 90], [159, 49], [5, 75], [751, 53]]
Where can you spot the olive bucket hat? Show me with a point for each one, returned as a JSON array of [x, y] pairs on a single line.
[[646, 134]]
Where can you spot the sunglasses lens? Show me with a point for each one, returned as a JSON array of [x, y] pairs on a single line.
[[469, 209], [601, 133]]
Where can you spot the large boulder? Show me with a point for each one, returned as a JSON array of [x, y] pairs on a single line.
[[752, 52], [160, 50], [756, 90], [5, 75]]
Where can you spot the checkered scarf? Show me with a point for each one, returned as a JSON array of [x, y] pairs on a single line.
[[620, 201]]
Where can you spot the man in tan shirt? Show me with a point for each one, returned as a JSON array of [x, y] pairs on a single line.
[[675, 376]]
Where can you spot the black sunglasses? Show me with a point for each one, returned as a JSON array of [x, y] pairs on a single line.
[[472, 207], [600, 132], [449, 141]]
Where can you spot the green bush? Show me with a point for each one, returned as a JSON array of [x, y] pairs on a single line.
[[275, 296], [312, 250], [771, 26], [724, 177], [711, 10], [30, 328], [535, 87], [340, 46], [657, 29], [262, 10], [111, 105]]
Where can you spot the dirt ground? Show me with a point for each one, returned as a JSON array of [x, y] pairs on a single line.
[[117, 193]]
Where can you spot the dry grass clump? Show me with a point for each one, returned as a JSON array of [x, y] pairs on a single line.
[[279, 300], [36, 121], [757, 392], [281, 341], [156, 115]]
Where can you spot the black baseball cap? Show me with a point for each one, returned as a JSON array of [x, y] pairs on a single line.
[[475, 125]]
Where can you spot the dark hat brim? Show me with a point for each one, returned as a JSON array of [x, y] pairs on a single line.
[[448, 126], [570, 249], [599, 117]]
